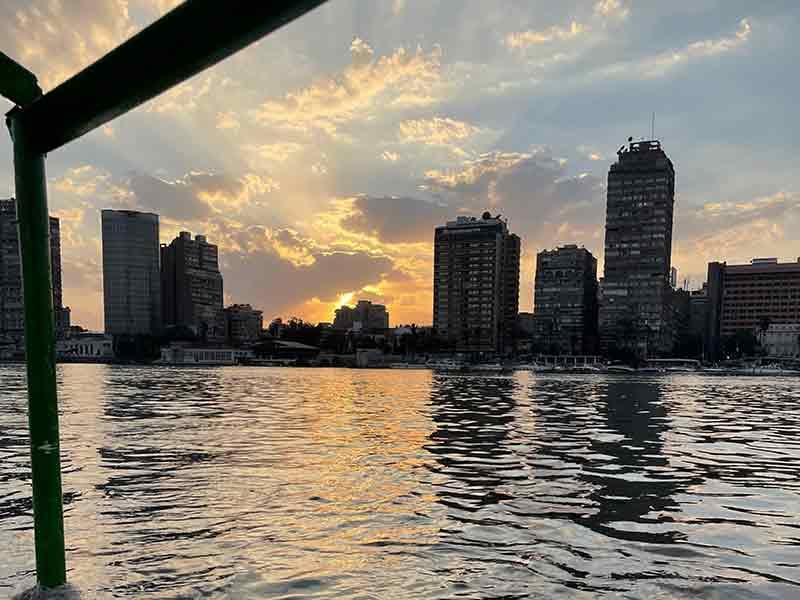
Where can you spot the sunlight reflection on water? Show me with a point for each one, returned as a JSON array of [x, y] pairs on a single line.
[[265, 483]]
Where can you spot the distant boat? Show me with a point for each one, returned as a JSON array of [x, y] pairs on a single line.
[[494, 367], [535, 367], [650, 371], [445, 364], [586, 369]]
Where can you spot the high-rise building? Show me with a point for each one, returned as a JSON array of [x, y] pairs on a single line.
[[364, 316], [191, 286], [131, 275], [244, 324], [751, 298], [565, 300], [635, 309], [12, 314], [698, 318], [476, 283]]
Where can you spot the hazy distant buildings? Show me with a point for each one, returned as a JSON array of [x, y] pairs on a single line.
[[635, 309], [364, 316], [191, 287], [476, 284], [131, 277], [243, 324], [751, 297], [565, 300], [12, 314]]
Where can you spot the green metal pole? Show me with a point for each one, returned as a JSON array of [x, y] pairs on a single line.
[[34, 242]]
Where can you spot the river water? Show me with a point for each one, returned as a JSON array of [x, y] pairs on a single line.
[[245, 483]]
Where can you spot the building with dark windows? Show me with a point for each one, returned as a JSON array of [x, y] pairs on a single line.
[[364, 316], [751, 298], [565, 301], [698, 318], [635, 313], [191, 287], [131, 274], [476, 284], [12, 314], [243, 324]]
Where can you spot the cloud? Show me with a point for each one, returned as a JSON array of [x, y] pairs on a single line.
[[611, 9], [56, 39], [396, 220], [590, 152], [544, 202], [326, 278], [184, 97], [198, 195], [701, 49], [524, 39], [227, 120], [366, 85], [438, 131], [661, 64], [277, 152]]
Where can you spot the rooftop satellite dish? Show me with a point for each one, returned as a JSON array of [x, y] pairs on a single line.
[[487, 215], [630, 139]]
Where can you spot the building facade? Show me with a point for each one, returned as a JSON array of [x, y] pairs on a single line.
[[364, 316], [565, 300], [191, 287], [476, 284], [131, 274], [698, 318], [12, 313], [635, 308], [243, 324], [751, 297], [781, 340]]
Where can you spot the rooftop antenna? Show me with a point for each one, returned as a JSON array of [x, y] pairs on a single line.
[[653, 127]]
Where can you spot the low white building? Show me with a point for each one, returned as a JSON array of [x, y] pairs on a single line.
[[782, 340], [86, 346], [178, 354]]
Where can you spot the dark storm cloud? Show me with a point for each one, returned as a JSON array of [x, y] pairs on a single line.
[[533, 190], [396, 220], [176, 200], [277, 285]]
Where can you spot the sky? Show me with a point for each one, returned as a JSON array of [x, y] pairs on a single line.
[[321, 158]]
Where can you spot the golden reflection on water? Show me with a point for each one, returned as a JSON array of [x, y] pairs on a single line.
[[260, 483]]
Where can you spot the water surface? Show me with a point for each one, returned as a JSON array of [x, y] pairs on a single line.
[[250, 483]]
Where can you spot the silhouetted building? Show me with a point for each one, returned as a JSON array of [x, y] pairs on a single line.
[[751, 297], [476, 284], [364, 316], [565, 300], [698, 317], [244, 324], [525, 324], [635, 311], [191, 286], [12, 313], [131, 276]]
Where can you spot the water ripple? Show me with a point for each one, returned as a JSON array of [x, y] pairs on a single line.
[[290, 483]]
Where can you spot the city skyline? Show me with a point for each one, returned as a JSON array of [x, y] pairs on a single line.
[[518, 111]]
